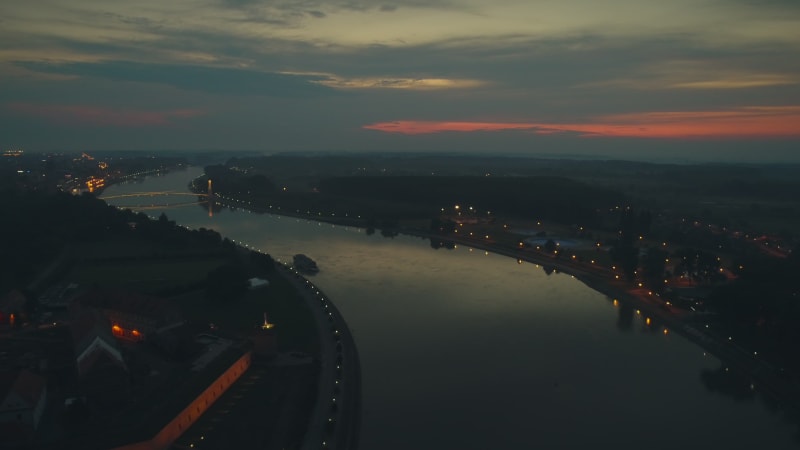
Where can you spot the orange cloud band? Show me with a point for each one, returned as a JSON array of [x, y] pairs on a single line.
[[749, 122], [102, 116]]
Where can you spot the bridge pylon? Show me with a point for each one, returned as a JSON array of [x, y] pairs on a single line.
[[210, 199]]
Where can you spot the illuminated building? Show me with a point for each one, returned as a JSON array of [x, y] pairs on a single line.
[[131, 316], [12, 305], [94, 183], [99, 365]]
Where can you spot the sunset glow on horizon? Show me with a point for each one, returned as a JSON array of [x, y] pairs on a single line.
[[460, 75], [748, 122]]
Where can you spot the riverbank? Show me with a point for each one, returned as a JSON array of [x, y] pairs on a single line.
[[472, 335], [764, 378], [336, 420]]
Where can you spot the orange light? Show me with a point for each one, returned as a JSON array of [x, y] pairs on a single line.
[[135, 332], [746, 122]]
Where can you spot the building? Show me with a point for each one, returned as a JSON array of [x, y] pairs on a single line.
[[12, 306], [132, 316], [23, 397], [100, 367]]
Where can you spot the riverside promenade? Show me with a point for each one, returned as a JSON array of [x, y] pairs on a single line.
[[335, 421]]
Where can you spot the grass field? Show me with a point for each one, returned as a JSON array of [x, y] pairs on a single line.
[[146, 275]]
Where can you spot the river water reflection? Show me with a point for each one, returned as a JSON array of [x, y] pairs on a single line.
[[464, 350]]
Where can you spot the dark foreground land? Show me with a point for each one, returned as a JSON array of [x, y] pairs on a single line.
[[93, 247], [268, 408]]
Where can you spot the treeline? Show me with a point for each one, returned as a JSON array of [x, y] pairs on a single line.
[[551, 198], [235, 182], [37, 226], [763, 305], [146, 163]]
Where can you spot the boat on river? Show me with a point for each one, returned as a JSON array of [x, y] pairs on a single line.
[[305, 264]]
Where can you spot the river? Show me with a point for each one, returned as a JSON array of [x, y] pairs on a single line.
[[461, 349]]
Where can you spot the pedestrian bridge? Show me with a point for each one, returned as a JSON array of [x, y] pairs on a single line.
[[156, 199]]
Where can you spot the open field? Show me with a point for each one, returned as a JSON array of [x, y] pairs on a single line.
[[144, 275]]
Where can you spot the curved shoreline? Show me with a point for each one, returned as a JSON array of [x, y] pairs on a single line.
[[766, 379], [336, 420]]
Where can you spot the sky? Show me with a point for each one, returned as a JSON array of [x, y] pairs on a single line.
[[705, 80]]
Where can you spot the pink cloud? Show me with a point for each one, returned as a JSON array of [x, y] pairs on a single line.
[[747, 122], [100, 116]]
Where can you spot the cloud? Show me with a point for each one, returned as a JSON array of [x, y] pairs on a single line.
[[277, 68], [708, 74], [761, 122], [414, 84], [741, 82], [98, 116], [215, 80], [345, 5]]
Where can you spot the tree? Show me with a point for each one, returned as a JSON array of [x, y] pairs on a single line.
[[686, 262], [624, 253], [708, 265], [627, 257], [446, 226], [227, 282], [698, 265], [653, 265]]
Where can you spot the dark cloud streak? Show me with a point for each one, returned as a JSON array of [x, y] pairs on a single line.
[[339, 5], [197, 78]]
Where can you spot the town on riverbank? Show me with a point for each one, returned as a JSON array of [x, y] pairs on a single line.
[[118, 330], [669, 264]]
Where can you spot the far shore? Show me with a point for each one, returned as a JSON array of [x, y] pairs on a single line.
[[767, 379]]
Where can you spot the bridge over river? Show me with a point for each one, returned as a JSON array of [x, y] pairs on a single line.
[[153, 200]]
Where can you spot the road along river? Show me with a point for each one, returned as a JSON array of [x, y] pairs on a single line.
[[465, 349]]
